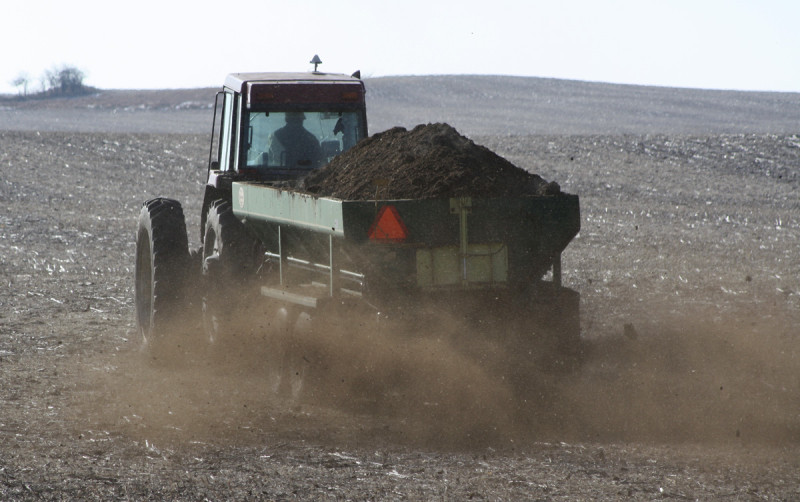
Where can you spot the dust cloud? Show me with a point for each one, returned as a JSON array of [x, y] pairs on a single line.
[[696, 381], [350, 380]]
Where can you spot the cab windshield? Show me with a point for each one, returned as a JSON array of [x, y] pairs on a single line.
[[299, 140]]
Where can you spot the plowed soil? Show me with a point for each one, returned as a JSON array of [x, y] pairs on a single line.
[[688, 240]]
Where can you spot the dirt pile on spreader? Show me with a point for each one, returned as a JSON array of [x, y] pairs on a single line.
[[430, 161]]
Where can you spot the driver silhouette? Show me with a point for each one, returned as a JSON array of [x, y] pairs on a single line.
[[293, 146]]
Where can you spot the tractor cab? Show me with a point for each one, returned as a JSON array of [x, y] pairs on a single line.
[[275, 127]]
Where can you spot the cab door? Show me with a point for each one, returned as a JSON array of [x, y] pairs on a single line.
[[228, 134]]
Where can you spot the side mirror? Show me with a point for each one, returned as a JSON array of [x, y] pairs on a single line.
[[214, 165]]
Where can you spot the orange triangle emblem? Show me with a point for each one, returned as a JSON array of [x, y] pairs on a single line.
[[388, 226]]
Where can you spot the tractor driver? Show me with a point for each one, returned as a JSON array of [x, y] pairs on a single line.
[[293, 146]]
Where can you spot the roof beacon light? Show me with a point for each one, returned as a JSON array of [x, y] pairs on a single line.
[[316, 61]]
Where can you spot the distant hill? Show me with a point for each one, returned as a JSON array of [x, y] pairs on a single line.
[[475, 105], [119, 99], [494, 105]]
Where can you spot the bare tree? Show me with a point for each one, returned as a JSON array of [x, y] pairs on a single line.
[[21, 81], [65, 80], [71, 80], [50, 81]]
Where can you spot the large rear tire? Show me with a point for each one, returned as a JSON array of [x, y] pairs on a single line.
[[162, 267], [227, 271]]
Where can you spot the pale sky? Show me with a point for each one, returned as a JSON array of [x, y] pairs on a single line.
[[146, 44]]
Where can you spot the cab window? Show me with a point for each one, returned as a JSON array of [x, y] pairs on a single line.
[[299, 139]]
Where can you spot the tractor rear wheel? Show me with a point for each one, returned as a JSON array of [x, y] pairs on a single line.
[[162, 267], [227, 270]]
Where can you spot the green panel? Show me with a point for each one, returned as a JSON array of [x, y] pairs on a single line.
[[254, 201], [444, 266], [487, 263], [437, 266]]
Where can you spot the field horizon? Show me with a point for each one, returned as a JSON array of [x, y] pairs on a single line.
[[474, 104]]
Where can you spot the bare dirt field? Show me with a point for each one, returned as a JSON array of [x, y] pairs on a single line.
[[690, 237]]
